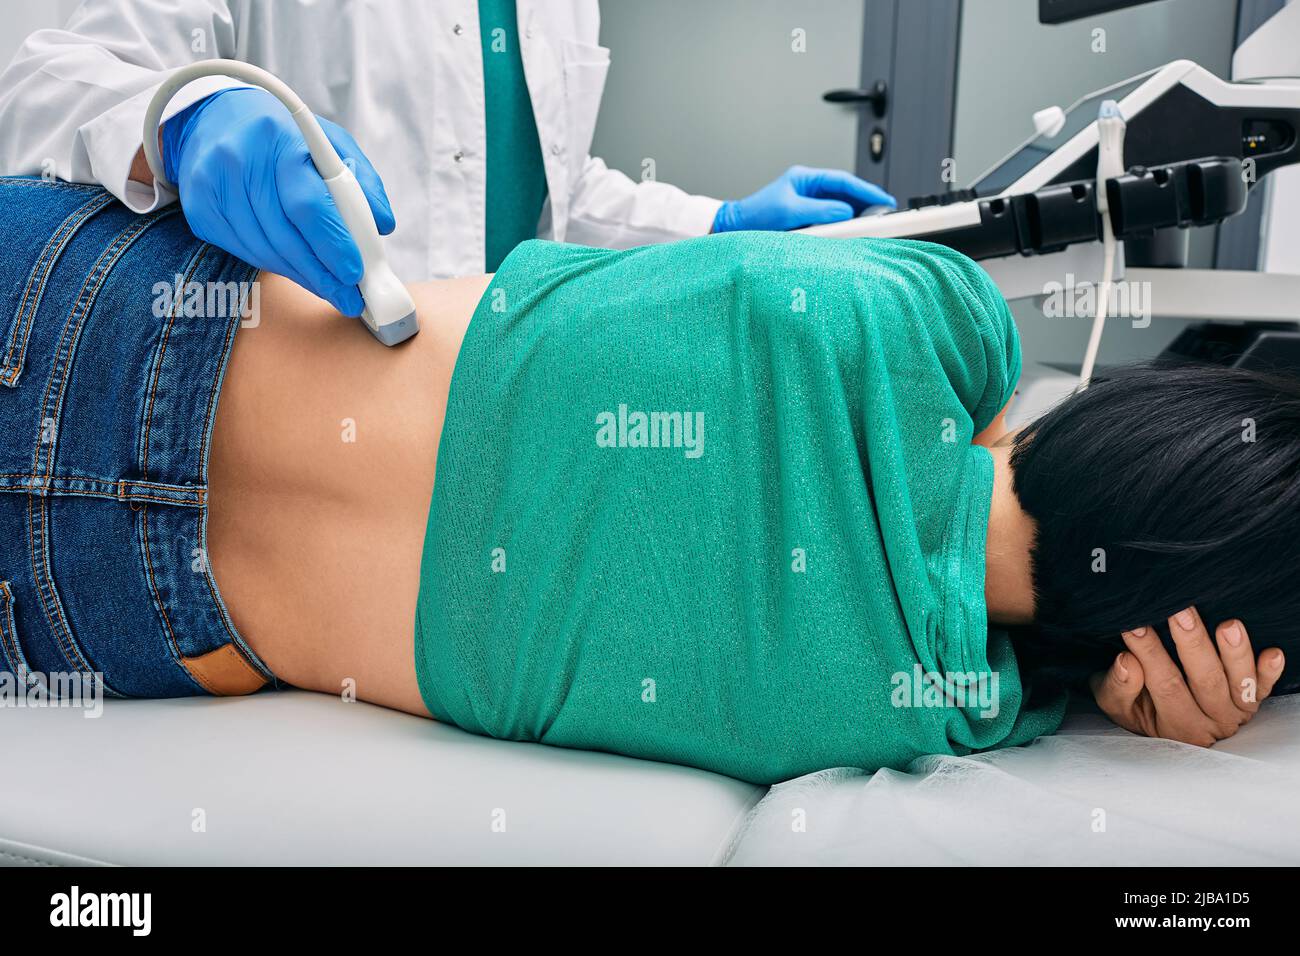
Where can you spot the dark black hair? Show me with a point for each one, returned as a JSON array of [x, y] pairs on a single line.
[[1158, 487]]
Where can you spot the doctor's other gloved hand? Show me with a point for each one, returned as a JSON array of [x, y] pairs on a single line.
[[248, 185], [802, 196]]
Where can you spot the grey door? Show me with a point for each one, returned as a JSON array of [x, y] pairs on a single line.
[[905, 95]]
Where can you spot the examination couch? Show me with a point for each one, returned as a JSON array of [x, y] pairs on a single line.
[[304, 779]]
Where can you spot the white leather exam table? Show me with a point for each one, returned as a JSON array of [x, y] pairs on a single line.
[[296, 778]]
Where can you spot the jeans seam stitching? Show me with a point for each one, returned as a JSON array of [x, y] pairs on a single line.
[[9, 636], [50, 254], [81, 309], [63, 358], [106, 490], [156, 372], [177, 656], [49, 184], [67, 654]]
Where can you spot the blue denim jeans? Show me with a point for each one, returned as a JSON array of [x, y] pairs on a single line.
[[108, 389]]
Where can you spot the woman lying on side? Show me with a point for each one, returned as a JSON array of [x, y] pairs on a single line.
[[725, 502]]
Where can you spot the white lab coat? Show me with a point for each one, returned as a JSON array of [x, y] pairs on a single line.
[[405, 77]]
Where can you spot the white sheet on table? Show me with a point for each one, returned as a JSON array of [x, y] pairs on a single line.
[[1163, 803]]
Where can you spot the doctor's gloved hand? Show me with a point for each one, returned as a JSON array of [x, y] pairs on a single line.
[[248, 185], [802, 196]]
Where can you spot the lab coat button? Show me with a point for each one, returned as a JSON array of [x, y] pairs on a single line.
[[458, 156], [555, 149], [458, 29]]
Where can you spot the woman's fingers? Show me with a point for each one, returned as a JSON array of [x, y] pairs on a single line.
[[1269, 668], [1206, 672], [1223, 686], [1239, 665], [1177, 714], [1117, 690]]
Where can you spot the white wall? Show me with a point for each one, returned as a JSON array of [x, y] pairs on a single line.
[[711, 90]]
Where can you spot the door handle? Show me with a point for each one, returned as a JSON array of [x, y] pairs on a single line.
[[877, 96]]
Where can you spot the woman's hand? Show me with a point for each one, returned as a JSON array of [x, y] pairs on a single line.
[[1145, 692]]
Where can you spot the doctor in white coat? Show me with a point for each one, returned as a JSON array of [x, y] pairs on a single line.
[[480, 115]]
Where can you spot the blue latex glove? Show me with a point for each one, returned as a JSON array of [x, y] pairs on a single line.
[[802, 197], [248, 185]]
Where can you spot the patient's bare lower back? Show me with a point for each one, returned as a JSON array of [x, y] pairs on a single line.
[[321, 471]]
